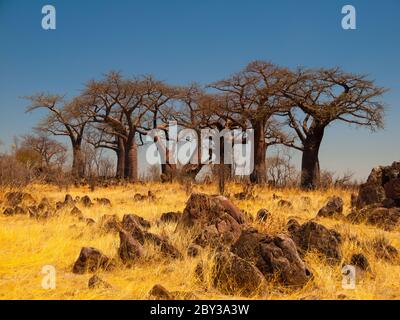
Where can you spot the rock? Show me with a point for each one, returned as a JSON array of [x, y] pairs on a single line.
[[68, 200], [104, 202], [139, 197], [359, 260], [385, 218], [110, 223], [247, 194], [8, 212], [165, 247], [263, 215], [76, 212], [392, 189], [86, 202], [130, 221], [151, 196], [285, 204], [158, 292], [96, 282], [130, 249], [231, 209], [276, 197], [20, 210], [314, 236], [91, 260], [273, 256], [59, 205], [170, 217], [332, 209], [41, 212], [214, 220], [235, 276], [14, 199], [383, 183], [193, 250], [384, 250]]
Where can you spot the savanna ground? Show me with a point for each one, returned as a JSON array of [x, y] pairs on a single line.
[[26, 245]]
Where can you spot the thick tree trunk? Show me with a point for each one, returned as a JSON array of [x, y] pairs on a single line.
[[78, 165], [310, 170], [120, 159], [259, 173], [131, 170], [224, 169]]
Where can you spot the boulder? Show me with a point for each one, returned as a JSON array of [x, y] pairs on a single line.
[[332, 209], [360, 261], [273, 256], [385, 218], [91, 260], [14, 199], [76, 212], [130, 249], [385, 251], [285, 204], [263, 215], [20, 210], [158, 292], [235, 276], [170, 217], [131, 221], [96, 282], [9, 212], [86, 201], [214, 220], [68, 200], [193, 250], [316, 237], [165, 247], [104, 202], [110, 223], [382, 187]]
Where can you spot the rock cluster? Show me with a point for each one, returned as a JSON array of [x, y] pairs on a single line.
[[378, 200]]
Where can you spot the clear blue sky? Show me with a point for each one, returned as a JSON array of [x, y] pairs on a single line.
[[201, 40]]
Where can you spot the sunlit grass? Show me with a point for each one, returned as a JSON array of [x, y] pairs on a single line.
[[26, 245]]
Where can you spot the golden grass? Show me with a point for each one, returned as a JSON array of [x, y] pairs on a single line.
[[26, 245]]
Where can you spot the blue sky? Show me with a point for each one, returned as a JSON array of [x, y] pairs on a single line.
[[180, 41]]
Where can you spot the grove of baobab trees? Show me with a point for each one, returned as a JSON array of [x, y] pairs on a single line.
[[282, 106]]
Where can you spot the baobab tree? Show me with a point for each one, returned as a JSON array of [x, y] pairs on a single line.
[[100, 136], [252, 101], [52, 153], [64, 119], [321, 97], [126, 107]]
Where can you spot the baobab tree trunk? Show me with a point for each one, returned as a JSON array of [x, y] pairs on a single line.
[[131, 172], [310, 169], [78, 165], [120, 159], [259, 173]]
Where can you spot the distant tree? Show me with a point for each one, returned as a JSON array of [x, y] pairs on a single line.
[[322, 97], [64, 119], [52, 153]]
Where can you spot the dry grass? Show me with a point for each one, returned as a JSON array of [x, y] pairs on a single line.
[[27, 245]]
